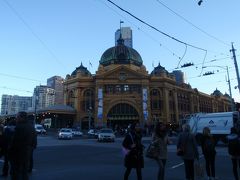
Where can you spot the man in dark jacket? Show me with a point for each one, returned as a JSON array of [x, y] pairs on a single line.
[[234, 151], [21, 147], [7, 141]]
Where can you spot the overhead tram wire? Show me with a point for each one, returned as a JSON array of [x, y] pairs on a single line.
[[19, 77], [163, 33], [4, 87], [156, 29], [146, 34], [32, 31], [201, 30], [182, 56]]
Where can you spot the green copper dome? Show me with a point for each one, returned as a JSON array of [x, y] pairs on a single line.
[[121, 54]]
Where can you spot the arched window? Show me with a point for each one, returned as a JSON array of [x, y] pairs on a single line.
[[71, 98], [88, 100], [156, 99]]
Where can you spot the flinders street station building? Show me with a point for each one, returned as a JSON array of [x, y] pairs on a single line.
[[123, 91]]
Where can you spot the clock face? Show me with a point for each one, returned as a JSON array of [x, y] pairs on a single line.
[[122, 76]]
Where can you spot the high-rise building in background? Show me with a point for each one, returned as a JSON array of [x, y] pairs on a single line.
[[179, 75], [14, 104], [126, 36], [56, 83], [43, 96]]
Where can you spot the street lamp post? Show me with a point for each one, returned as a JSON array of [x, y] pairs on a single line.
[[228, 81]]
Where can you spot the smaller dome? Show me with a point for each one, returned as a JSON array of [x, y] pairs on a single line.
[[159, 70], [227, 96], [217, 93], [83, 70]]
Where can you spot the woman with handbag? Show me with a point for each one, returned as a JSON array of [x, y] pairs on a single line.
[[188, 146], [161, 141], [134, 157]]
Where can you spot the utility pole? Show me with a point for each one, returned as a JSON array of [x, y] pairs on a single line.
[[230, 91], [236, 66]]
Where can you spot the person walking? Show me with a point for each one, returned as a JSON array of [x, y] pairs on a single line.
[[160, 139], [21, 146], [33, 147], [188, 144], [234, 151], [134, 157], [209, 152], [7, 141]]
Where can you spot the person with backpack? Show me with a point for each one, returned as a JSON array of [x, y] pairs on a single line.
[[234, 151], [209, 152]]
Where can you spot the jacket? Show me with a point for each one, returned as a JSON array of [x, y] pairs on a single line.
[[161, 145], [188, 142], [203, 145], [134, 159]]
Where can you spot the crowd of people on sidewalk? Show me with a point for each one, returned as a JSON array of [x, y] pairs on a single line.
[[18, 139], [187, 144]]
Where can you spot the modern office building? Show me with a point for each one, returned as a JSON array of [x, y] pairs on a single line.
[[14, 104], [122, 91], [126, 36], [43, 96], [179, 76], [56, 83]]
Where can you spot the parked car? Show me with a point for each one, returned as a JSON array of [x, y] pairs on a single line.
[[65, 133], [76, 132], [93, 133], [40, 129], [106, 134]]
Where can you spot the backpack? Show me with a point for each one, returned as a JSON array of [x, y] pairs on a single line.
[[209, 146], [234, 146]]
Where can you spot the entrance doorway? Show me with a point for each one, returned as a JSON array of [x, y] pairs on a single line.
[[121, 115]]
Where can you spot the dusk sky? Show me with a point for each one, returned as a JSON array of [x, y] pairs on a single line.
[[43, 38]]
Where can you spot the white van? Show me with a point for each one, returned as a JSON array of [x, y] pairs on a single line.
[[220, 124]]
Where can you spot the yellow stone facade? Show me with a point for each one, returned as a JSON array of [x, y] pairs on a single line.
[[122, 92]]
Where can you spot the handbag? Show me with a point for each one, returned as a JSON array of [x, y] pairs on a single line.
[[152, 151]]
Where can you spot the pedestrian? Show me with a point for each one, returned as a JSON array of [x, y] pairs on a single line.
[[33, 147], [7, 141], [209, 152], [134, 157], [234, 151], [187, 142], [21, 146], [161, 140]]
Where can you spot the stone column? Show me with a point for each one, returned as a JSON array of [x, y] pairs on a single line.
[[176, 105], [166, 105]]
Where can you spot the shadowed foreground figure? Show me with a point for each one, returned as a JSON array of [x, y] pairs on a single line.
[[134, 159], [21, 147]]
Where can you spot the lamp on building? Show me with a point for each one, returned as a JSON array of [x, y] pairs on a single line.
[[228, 81]]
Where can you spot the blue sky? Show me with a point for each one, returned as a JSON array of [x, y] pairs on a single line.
[[42, 38]]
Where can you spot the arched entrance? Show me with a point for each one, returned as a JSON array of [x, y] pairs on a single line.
[[121, 115]]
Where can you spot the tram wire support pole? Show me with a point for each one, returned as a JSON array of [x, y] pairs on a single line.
[[236, 66], [228, 81]]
